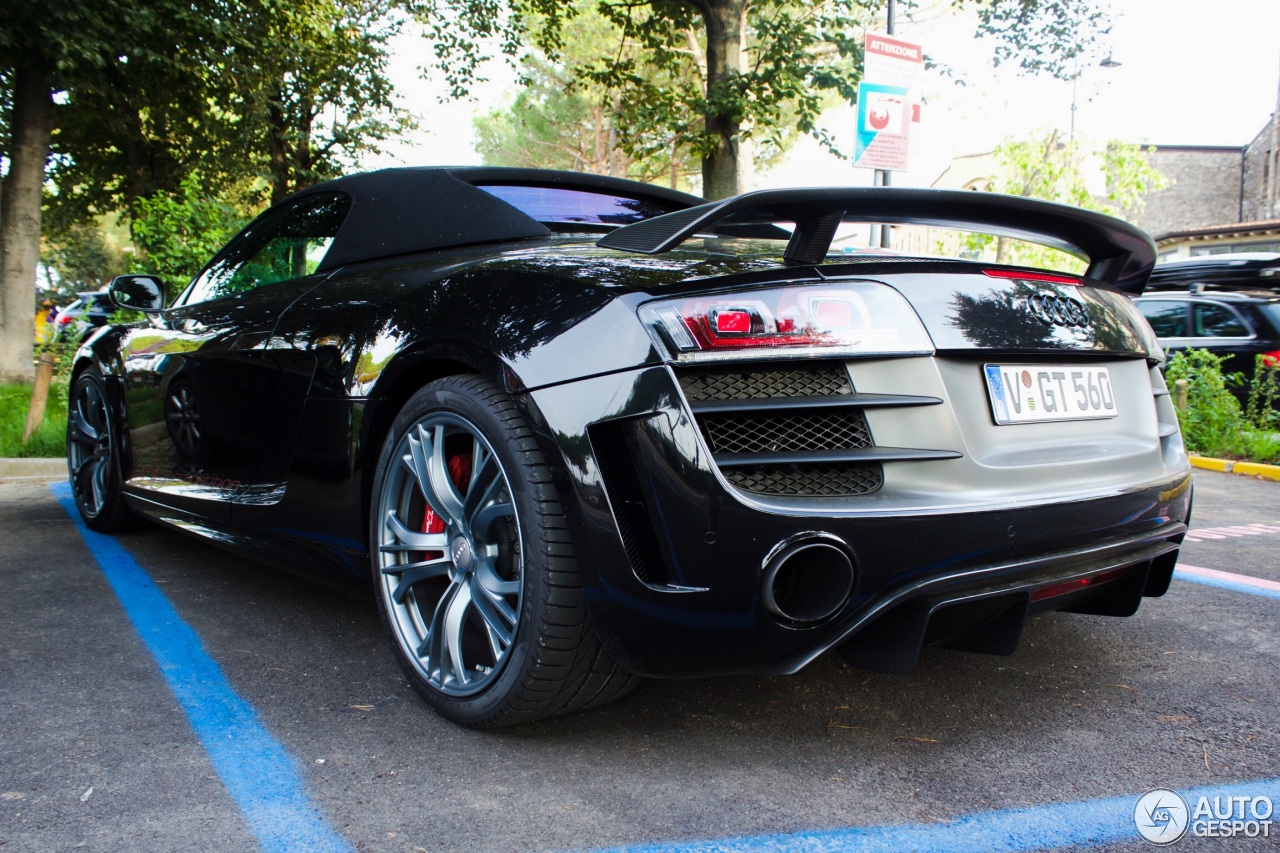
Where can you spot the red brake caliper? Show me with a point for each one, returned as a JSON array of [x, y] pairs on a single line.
[[459, 473]]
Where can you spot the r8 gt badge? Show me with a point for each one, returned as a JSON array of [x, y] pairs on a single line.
[[1057, 310]]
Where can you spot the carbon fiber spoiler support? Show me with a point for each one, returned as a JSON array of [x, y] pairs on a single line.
[[1118, 253]]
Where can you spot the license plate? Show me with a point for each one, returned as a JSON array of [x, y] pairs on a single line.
[[1029, 393]]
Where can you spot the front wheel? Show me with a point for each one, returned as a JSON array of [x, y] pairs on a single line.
[[93, 456], [473, 567]]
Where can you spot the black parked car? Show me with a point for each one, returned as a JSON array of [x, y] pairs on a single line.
[[570, 431], [87, 312], [1227, 304]]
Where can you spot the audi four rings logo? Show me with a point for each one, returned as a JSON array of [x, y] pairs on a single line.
[[1057, 310]]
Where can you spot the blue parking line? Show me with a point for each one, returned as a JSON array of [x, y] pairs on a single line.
[[255, 768], [1090, 823], [1227, 584]]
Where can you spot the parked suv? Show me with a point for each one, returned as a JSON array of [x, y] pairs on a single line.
[[1227, 304]]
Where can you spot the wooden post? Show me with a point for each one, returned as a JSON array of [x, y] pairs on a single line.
[[1180, 396], [39, 395]]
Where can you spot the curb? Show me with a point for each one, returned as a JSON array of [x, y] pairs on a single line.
[[1227, 466], [32, 470]]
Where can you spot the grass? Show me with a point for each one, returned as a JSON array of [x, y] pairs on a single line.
[[49, 440]]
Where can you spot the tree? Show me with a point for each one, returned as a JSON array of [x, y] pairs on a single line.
[[1044, 36], [40, 45], [1046, 166], [754, 62], [83, 257], [765, 66], [232, 89], [288, 91], [310, 80], [563, 119], [176, 234], [147, 113]]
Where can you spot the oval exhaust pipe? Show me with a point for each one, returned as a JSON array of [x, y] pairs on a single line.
[[807, 578]]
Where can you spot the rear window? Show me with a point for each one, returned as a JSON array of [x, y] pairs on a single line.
[[553, 204], [1219, 321], [1272, 312], [1167, 317]]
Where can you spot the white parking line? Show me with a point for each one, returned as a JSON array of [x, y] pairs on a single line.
[[1209, 533]]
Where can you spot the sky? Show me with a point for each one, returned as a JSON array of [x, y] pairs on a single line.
[[1191, 73]]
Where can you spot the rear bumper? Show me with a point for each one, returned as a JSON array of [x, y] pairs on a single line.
[[675, 561]]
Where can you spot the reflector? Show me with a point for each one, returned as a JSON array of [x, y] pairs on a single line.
[[1065, 587]]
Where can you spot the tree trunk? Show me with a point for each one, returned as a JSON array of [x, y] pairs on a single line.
[[725, 20], [278, 147], [32, 126]]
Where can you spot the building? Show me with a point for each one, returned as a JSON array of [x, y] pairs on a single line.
[[1220, 199]]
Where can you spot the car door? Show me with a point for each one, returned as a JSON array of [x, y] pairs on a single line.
[[1220, 329], [200, 379], [1168, 319]]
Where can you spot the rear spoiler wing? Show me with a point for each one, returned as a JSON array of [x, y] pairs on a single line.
[[1118, 253]]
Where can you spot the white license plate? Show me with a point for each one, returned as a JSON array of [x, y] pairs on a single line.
[[1029, 393]]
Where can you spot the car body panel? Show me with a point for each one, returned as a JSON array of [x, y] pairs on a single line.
[[299, 381]]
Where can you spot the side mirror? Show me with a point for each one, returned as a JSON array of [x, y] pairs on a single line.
[[137, 293]]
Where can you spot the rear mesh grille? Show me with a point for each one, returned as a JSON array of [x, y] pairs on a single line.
[[773, 430], [823, 480], [761, 432], [761, 383]]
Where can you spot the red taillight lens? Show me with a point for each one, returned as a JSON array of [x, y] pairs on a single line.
[[840, 318], [1023, 275], [1065, 587], [732, 321]]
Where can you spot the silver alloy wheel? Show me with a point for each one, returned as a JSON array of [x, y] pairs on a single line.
[[89, 447], [453, 587]]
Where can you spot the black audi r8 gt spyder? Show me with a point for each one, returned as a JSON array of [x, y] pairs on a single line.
[[572, 431]]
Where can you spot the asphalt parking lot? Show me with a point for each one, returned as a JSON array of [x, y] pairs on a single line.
[[279, 720]]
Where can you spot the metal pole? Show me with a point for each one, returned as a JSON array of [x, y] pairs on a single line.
[[883, 176]]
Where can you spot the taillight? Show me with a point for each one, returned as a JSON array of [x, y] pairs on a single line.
[[1024, 275], [1054, 590], [851, 318]]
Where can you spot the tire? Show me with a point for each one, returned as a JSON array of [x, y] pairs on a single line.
[[473, 566], [93, 457]]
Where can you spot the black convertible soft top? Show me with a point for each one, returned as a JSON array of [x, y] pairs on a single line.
[[417, 209]]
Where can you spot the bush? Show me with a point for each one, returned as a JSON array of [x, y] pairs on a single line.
[[1263, 407], [1213, 423], [178, 233]]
